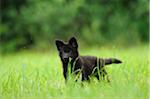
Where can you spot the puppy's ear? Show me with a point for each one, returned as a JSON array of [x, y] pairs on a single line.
[[73, 42], [59, 44]]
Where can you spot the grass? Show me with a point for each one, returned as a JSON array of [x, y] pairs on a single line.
[[38, 75]]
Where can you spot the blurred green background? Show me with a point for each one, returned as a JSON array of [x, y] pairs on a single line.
[[35, 24]]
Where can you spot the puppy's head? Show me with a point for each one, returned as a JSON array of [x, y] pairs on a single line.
[[67, 49]]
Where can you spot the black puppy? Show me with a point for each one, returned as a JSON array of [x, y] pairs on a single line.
[[87, 64]]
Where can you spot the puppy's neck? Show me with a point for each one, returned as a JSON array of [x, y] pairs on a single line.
[[74, 60], [76, 56]]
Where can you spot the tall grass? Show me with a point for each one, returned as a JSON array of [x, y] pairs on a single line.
[[29, 75]]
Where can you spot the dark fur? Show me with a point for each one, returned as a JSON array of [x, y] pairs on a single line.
[[87, 64]]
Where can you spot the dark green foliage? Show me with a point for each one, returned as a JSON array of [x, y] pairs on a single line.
[[28, 22]]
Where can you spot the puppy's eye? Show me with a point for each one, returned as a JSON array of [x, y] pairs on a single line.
[[67, 50]]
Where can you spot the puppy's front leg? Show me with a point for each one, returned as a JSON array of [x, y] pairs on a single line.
[[84, 76], [65, 67]]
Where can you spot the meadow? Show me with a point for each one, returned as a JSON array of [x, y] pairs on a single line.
[[38, 75]]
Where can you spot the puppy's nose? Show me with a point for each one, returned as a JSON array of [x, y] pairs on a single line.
[[65, 58]]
